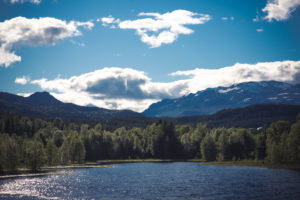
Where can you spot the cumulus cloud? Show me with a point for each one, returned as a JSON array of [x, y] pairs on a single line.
[[126, 88], [21, 31], [23, 1], [106, 21], [113, 88], [156, 29], [280, 10], [22, 80]]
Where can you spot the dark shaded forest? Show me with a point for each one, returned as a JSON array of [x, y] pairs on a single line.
[[33, 142]]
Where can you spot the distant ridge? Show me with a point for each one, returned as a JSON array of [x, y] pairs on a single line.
[[43, 104], [254, 116], [43, 97], [212, 100], [237, 114]]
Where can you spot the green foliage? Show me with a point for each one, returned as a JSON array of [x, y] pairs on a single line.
[[77, 150], [2, 154], [58, 138], [11, 157], [52, 153], [64, 153], [34, 142], [34, 155], [223, 147], [293, 143], [209, 148], [191, 138], [276, 141], [241, 144], [260, 146]]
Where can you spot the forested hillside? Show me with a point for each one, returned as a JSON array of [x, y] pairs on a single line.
[[34, 142]]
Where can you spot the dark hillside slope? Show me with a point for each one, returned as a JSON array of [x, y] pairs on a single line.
[[254, 116], [42, 104]]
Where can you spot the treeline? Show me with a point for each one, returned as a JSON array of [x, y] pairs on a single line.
[[33, 142]]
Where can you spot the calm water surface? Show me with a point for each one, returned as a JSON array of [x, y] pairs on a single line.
[[158, 181]]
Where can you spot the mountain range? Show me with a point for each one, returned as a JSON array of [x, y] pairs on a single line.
[[212, 100], [42, 104], [248, 105]]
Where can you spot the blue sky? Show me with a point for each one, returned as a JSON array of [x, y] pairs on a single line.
[[106, 61]]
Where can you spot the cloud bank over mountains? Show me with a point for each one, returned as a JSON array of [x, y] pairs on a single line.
[[126, 88], [156, 29], [200, 79], [21, 31]]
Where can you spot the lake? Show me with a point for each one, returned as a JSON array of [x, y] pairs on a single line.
[[178, 180]]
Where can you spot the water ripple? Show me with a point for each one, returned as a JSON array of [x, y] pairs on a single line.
[[158, 181]]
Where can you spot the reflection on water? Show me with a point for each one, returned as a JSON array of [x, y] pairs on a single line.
[[32, 187], [158, 181]]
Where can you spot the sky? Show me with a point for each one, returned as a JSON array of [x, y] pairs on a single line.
[[129, 54]]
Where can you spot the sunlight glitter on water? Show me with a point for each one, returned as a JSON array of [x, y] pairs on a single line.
[[158, 181], [31, 187]]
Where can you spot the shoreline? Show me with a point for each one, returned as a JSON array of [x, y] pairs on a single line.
[[49, 170], [60, 169], [63, 169], [242, 163], [252, 163], [34, 174], [150, 160]]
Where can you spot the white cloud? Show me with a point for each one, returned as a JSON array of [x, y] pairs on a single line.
[[259, 30], [108, 20], [23, 1], [224, 18], [257, 18], [113, 88], [200, 79], [21, 31], [119, 88], [227, 18], [24, 94], [280, 10], [7, 57], [22, 80], [156, 29]]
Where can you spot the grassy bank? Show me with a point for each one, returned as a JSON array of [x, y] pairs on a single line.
[[252, 163]]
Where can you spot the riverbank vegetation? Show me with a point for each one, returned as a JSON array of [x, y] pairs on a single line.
[[33, 142]]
